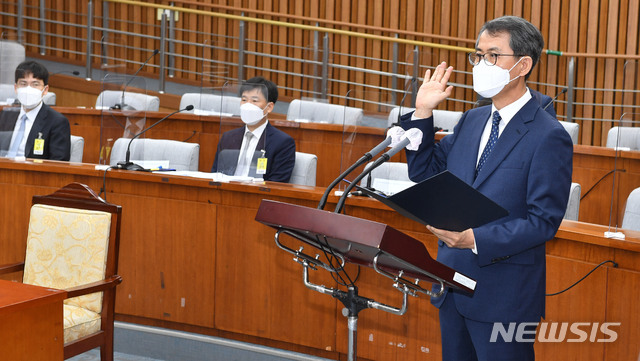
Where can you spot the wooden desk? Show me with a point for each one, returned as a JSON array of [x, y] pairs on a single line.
[[326, 141], [193, 258], [31, 326]]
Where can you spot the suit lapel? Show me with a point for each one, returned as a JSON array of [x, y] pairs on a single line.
[[512, 134]]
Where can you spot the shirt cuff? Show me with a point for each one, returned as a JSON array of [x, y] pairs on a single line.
[[475, 247]]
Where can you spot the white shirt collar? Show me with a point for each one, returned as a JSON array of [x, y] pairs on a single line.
[[508, 112]]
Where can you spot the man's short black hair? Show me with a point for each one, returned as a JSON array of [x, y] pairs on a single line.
[[32, 67], [524, 37], [264, 85]]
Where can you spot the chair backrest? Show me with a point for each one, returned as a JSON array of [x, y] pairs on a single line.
[[629, 137], [73, 240], [77, 149], [320, 112], [211, 103], [49, 98], [11, 55], [304, 171], [7, 91], [573, 206], [109, 98], [389, 177], [181, 155], [444, 119], [631, 218], [572, 128]]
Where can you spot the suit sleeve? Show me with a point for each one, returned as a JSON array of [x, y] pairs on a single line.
[[283, 161], [60, 139], [429, 159]]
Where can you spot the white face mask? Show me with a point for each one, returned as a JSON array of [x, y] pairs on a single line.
[[29, 97], [251, 114], [489, 80]]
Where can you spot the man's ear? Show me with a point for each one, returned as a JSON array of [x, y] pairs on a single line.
[[526, 63], [45, 90], [270, 106]]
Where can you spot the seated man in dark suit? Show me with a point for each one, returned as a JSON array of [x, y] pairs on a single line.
[[34, 130], [258, 149]]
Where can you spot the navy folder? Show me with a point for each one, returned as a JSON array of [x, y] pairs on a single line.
[[443, 201]]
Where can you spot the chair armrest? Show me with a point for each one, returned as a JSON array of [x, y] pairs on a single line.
[[12, 267], [93, 287]]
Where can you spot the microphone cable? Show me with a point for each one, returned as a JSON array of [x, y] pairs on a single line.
[[615, 265]]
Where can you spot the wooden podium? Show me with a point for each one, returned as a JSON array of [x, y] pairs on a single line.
[[346, 239]]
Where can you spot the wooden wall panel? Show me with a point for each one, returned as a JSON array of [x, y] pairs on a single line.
[[577, 26]]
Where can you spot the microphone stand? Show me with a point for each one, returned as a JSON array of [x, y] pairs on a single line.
[[127, 164], [122, 105]]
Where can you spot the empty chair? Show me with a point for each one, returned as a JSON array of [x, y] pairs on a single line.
[[320, 112], [77, 149], [72, 244], [573, 206], [304, 171], [138, 101], [389, 177], [629, 137], [572, 128], [181, 155], [631, 218], [443, 119], [11, 55], [211, 103]]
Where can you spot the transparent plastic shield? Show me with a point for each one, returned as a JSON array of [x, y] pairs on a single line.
[[12, 53], [623, 137], [213, 74], [239, 156], [364, 124], [8, 117], [123, 101]]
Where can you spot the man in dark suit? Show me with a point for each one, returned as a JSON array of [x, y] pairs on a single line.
[[34, 130], [258, 149], [519, 156]]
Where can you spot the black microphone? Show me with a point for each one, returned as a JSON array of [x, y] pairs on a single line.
[[122, 105], [555, 98], [74, 72], [412, 137], [392, 133], [406, 91], [127, 164]]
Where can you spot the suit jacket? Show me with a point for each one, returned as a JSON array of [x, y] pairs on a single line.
[[544, 101], [279, 147], [529, 174], [50, 125]]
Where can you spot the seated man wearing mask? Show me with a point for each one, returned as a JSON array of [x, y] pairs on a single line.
[[34, 130], [258, 149]]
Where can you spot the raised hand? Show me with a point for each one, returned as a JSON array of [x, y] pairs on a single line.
[[433, 90]]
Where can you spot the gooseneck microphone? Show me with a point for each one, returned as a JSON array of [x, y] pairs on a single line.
[[406, 91], [392, 134], [127, 164], [564, 90], [122, 105], [411, 139]]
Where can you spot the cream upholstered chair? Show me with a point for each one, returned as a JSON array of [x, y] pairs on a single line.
[[72, 244], [444, 119], [629, 137], [77, 149], [181, 155], [211, 103], [304, 171], [11, 55], [573, 205], [572, 128], [321, 112], [138, 101], [631, 218], [389, 177]]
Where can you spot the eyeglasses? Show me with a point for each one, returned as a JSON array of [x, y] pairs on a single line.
[[33, 84], [489, 58]]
